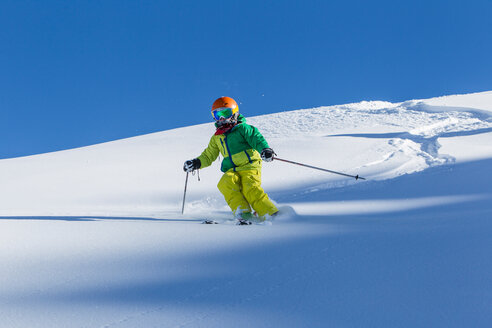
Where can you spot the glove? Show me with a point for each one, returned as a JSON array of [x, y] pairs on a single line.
[[267, 154], [192, 165]]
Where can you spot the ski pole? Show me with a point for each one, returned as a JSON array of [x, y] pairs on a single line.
[[184, 196], [318, 168]]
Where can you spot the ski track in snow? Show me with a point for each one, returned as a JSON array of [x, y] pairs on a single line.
[[412, 147], [419, 143]]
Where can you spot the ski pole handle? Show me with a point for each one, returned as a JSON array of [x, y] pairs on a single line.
[[357, 177]]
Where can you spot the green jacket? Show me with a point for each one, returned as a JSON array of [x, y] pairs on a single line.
[[241, 147]]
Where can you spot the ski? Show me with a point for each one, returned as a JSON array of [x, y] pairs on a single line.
[[236, 222], [230, 222], [285, 213]]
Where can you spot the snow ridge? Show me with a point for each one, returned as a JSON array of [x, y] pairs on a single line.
[[375, 139]]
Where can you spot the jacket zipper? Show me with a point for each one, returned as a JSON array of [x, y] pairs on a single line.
[[229, 152], [222, 143]]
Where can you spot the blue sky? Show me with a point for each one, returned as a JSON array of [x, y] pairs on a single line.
[[75, 73]]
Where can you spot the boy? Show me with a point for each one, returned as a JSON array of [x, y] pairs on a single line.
[[243, 147]]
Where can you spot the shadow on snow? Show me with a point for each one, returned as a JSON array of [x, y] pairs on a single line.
[[352, 272], [94, 218]]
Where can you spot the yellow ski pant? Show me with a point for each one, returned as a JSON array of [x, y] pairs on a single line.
[[242, 191]]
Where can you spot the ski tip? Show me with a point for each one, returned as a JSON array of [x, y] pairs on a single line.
[[243, 222]]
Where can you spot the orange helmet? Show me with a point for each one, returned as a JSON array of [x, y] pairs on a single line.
[[224, 103], [227, 102]]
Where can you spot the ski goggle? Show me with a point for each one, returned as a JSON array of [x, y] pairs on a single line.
[[223, 112]]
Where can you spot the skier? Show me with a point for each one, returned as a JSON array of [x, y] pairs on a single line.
[[243, 147]]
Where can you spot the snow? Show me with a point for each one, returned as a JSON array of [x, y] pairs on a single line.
[[94, 237]]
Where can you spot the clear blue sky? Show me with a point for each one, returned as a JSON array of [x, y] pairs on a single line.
[[75, 73]]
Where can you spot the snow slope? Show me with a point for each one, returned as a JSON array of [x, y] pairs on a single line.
[[94, 237]]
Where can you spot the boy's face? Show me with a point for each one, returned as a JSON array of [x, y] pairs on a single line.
[[223, 121]]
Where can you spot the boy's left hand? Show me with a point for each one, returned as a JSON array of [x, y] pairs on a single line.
[[267, 154]]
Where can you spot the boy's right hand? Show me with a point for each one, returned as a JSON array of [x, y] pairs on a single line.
[[192, 165]]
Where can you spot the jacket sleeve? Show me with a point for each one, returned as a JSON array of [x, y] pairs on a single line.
[[254, 138], [209, 155]]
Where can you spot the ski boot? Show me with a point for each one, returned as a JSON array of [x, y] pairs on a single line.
[[245, 218]]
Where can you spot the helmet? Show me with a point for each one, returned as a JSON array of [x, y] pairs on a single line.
[[225, 107], [224, 102]]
